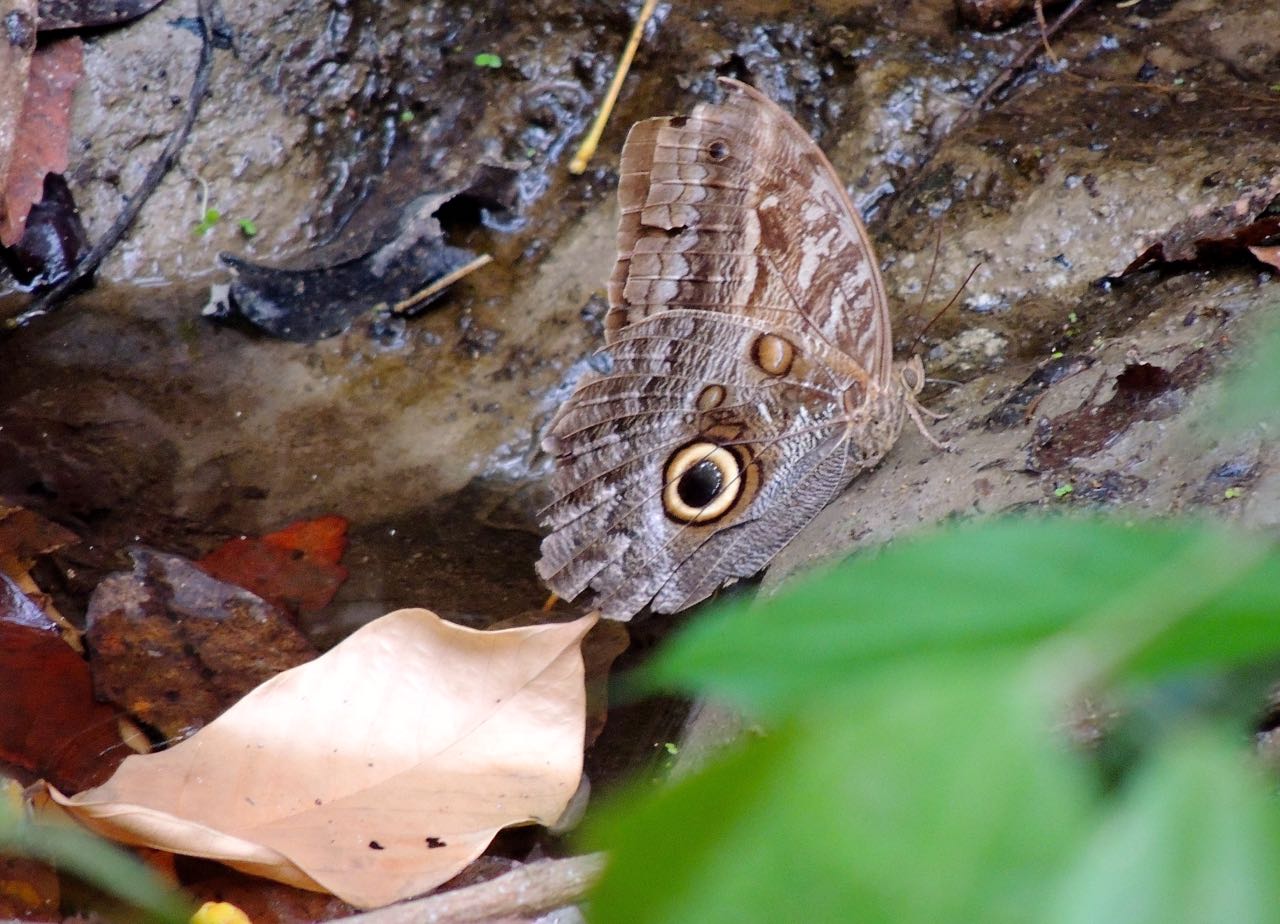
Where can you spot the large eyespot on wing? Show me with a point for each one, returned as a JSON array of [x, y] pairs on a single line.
[[702, 481], [702, 416], [735, 209]]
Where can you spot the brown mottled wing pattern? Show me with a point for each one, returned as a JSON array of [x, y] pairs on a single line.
[[765, 228], [751, 363]]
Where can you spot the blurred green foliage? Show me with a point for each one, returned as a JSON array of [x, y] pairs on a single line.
[[96, 862]]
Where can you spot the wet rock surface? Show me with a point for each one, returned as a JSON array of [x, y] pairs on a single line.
[[129, 418]]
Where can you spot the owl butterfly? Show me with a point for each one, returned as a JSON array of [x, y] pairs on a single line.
[[752, 369]]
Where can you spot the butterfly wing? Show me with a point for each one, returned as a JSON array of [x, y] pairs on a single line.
[[735, 209], [747, 318]]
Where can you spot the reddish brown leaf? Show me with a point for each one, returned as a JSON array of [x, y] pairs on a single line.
[[174, 646], [295, 568], [17, 42], [324, 538], [50, 723], [40, 143]]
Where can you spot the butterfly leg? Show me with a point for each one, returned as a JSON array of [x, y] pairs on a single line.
[[914, 411]]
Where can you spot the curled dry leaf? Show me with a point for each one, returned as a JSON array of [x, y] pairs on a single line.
[[375, 772]]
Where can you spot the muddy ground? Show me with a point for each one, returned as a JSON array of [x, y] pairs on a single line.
[[127, 416]]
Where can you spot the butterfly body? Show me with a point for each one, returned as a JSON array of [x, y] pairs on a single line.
[[752, 375]]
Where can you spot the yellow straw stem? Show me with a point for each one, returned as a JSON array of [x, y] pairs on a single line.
[[442, 283], [589, 143]]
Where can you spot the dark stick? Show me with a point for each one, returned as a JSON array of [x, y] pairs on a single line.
[[1025, 57], [52, 297]]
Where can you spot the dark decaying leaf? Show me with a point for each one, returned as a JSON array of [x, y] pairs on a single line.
[[42, 133], [295, 568], [1241, 227], [174, 647], [1086, 430], [322, 292], [77, 14], [54, 238]]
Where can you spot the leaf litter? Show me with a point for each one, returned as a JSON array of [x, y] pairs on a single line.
[[375, 772]]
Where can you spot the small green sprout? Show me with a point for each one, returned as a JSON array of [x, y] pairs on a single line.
[[1232, 493], [247, 227], [1056, 354], [488, 59], [210, 218], [1072, 318], [406, 117], [1275, 88], [671, 748], [1063, 490]]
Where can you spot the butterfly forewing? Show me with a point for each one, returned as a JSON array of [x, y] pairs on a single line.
[[734, 208]]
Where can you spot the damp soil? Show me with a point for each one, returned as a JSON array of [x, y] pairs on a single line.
[[130, 418]]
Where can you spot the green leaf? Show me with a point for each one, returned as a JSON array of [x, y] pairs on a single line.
[[934, 794], [210, 218], [97, 862], [1195, 838], [987, 587], [247, 227], [488, 59]]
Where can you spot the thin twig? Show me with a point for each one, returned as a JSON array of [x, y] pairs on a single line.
[[448, 279], [526, 891], [588, 146], [1024, 57], [1044, 33], [50, 298]]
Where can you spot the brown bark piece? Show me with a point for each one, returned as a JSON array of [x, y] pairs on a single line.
[[175, 647]]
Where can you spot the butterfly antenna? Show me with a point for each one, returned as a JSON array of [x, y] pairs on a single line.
[[928, 283], [920, 336]]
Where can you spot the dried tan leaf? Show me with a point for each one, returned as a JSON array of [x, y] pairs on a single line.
[[1268, 255], [375, 772]]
